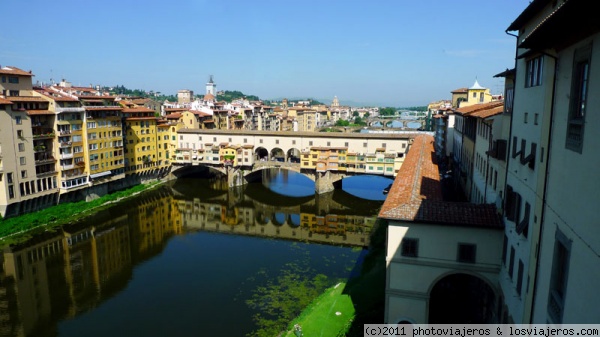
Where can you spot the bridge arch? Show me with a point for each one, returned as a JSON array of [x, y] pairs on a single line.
[[277, 154], [261, 153], [184, 170], [293, 155]]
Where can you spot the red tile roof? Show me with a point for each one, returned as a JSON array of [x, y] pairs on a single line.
[[489, 112], [10, 70], [4, 101], [460, 90], [175, 115], [138, 109], [416, 194], [468, 110], [27, 99]]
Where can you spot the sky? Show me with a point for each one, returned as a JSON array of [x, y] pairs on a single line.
[[395, 53]]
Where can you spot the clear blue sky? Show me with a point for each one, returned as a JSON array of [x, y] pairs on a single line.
[[382, 52]]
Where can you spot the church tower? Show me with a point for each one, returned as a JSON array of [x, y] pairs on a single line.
[[211, 87], [335, 103]]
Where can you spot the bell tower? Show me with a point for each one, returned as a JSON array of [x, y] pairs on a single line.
[[211, 87]]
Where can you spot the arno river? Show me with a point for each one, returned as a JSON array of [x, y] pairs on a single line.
[[190, 258]]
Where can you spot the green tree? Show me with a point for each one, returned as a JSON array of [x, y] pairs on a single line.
[[387, 111]]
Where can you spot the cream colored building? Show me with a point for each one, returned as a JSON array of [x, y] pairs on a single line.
[[442, 258], [27, 155], [555, 194]]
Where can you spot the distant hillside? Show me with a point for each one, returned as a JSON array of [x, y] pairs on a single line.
[[229, 96]]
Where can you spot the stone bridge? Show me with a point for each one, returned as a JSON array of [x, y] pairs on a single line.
[[325, 158]]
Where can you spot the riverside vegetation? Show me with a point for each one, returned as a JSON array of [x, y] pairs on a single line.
[[23, 227]]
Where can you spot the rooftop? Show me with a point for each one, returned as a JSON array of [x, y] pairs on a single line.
[[416, 194]]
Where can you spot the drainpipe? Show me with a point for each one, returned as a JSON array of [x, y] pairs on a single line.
[[509, 140], [544, 193]]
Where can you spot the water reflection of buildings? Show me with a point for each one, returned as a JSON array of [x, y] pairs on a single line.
[[60, 275], [250, 217]]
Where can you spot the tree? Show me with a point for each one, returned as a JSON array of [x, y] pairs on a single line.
[[387, 111]]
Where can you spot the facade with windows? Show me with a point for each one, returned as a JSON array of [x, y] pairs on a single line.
[[564, 286], [28, 173]]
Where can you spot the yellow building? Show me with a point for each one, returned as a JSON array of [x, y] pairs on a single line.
[[103, 127], [142, 140]]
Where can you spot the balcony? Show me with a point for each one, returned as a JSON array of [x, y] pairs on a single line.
[[64, 132], [46, 135], [66, 155], [44, 158], [66, 144], [46, 173]]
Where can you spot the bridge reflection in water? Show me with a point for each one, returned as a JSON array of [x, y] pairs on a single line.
[[334, 218]]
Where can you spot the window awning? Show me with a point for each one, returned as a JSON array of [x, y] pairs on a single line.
[[101, 174]]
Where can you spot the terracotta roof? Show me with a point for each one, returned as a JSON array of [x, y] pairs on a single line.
[[27, 99], [141, 118], [416, 194], [101, 108], [468, 110], [138, 109], [5, 101], [175, 109], [460, 90], [10, 70], [209, 97], [200, 113], [489, 112], [174, 115]]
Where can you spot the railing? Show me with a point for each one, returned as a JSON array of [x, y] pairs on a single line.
[[46, 173]]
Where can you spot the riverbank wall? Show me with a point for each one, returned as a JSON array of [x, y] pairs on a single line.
[[88, 193]]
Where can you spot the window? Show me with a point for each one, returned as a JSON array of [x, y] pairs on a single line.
[[534, 72], [410, 247], [24, 174], [20, 134], [511, 266], [520, 278], [577, 109], [22, 160], [11, 192], [466, 252], [13, 79], [559, 277], [21, 147], [18, 120], [310, 143], [504, 249]]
